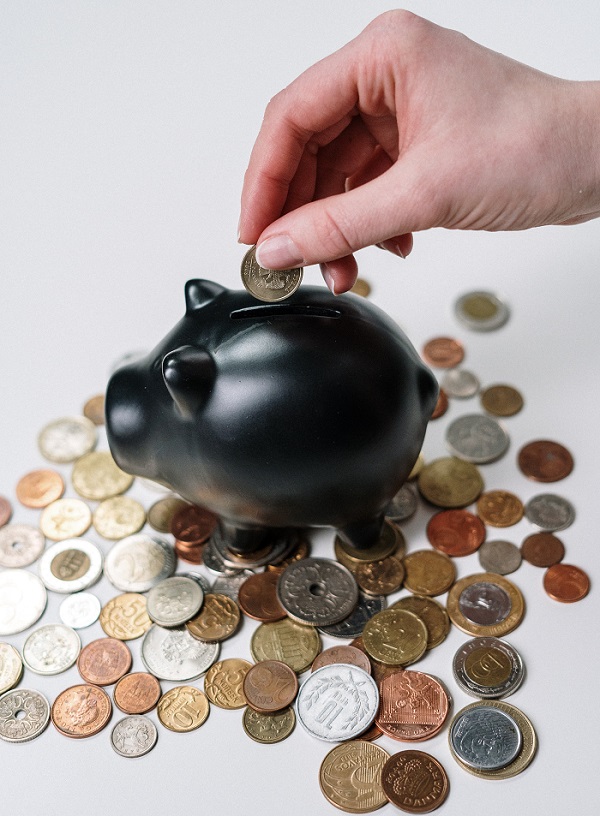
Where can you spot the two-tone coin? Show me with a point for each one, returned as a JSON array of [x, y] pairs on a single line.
[[71, 565], [481, 311], [485, 605], [488, 667], [139, 562]]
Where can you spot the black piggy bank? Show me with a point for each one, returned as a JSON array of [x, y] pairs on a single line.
[[308, 412]]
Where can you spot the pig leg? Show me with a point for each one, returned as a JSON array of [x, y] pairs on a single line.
[[363, 534]]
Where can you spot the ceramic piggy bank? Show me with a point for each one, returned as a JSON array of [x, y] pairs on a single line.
[[308, 412]]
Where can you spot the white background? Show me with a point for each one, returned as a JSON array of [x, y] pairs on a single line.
[[125, 129]]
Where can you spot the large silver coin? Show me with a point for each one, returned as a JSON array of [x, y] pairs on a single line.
[[501, 557], [24, 714], [485, 738], [481, 311], [70, 565], [476, 438], [80, 610], [460, 383], [51, 649], [134, 736], [174, 601], [268, 284], [139, 562], [173, 654], [11, 667], [23, 599], [20, 545], [317, 591], [404, 504], [550, 512], [352, 626], [488, 667], [67, 438], [337, 702]]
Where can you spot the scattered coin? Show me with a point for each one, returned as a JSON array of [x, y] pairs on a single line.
[[268, 284], [230, 584], [118, 517], [395, 637], [20, 545], [174, 601], [137, 693], [361, 287], [501, 557], [24, 715], [485, 605], [428, 572], [433, 615], [350, 776], [353, 625], [566, 583], [550, 512], [415, 781], [413, 706], [23, 599], [257, 597], [11, 667], [342, 654], [460, 383], [67, 439], [476, 438], [499, 508], [51, 649], [403, 506], [270, 686], [481, 311], [545, 461], [443, 352], [450, 482], [65, 518], [501, 400], [485, 737], [268, 728], [134, 736], [456, 532], [317, 591], [173, 654], [125, 617], [79, 610], [160, 515], [81, 711], [5, 511], [94, 409], [193, 524], [203, 581], [488, 667], [224, 683], [96, 476], [380, 577], [300, 551], [139, 562], [104, 661], [183, 709], [70, 565], [292, 643], [218, 619], [39, 488], [543, 549], [441, 406]]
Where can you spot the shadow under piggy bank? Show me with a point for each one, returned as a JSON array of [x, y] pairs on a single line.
[[308, 412]]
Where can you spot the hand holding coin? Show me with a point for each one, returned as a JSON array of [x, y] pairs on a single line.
[[270, 285]]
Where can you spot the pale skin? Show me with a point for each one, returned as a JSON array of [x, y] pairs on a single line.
[[412, 126]]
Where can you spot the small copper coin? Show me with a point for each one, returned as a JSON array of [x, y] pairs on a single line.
[[137, 693], [270, 686], [39, 488], [456, 532], [545, 461], [443, 352], [441, 405], [501, 400], [5, 511], [257, 598], [192, 554], [415, 781], [566, 583], [342, 654], [104, 661], [499, 508], [543, 549], [81, 711], [94, 409], [413, 706], [193, 524]]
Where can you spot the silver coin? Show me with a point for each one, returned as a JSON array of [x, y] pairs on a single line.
[[501, 557], [213, 561], [70, 565], [80, 610], [404, 504], [139, 562], [317, 591], [353, 625], [23, 599], [134, 736], [495, 668], [199, 578], [550, 512], [460, 383], [24, 714], [476, 438], [174, 601], [11, 667], [230, 584], [481, 311], [67, 438], [173, 654], [20, 545], [484, 604], [337, 702], [51, 649], [485, 738]]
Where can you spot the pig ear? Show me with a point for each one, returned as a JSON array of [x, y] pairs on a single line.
[[200, 292], [189, 374]]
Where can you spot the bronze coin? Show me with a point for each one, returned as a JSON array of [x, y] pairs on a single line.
[[499, 508], [192, 553], [543, 549], [456, 532], [443, 352], [501, 400], [81, 711], [257, 598], [415, 781], [545, 461], [5, 511], [270, 686], [372, 733], [413, 706], [380, 577], [441, 405], [39, 488], [94, 409], [342, 654], [137, 693], [193, 524], [104, 661], [566, 583], [217, 620]]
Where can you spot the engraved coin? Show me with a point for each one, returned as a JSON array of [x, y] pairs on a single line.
[[5, 511], [65, 518], [350, 776], [118, 517], [174, 601], [230, 584], [502, 557], [183, 709], [403, 506], [79, 610], [566, 583], [125, 617], [450, 482], [501, 400], [455, 532], [70, 565], [268, 284], [24, 715], [218, 619], [443, 352], [353, 625], [104, 661], [542, 549], [337, 702], [342, 654], [488, 667], [550, 512], [23, 599], [39, 488], [20, 545], [292, 643], [433, 615], [499, 508], [134, 736], [380, 577], [224, 683], [395, 637], [415, 781], [317, 591], [428, 572], [193, 524], [268, 728], [476, 438], [270, 686], [460, 383], [481, 311], [81, 711], [139, 562], [485, 604], [137, 693], [257, 597], [485, 737], [94, 409], [545, 461], [67, 439], [160, 515], [173, 654], [11, 667], [51, 649], [391, 542], [413, 706], [96, 476]]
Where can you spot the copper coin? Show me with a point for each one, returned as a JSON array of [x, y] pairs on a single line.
[[193, 524], [104, 661], [81, 711], [193, 554], [501, 400], [543, 549], [342, 654], [270, 686], [39, 488], [415, 781], [94, 409], [566, 583], [545, 461], [137, 693], [257, 598], [499, 508], [441, 405], [5, 511], [372, 733], [443, 352], [413, 706], [456, 532]]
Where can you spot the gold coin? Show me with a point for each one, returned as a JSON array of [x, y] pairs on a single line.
[[292, 643], [268, 728], [125, 617], [161, 513], [224, 682], [449, 482], [270, 285], [65, 518], [390, 541], [417, 467], [433, 615], [94, 409], [361, 287], [501, 400], [499, 508], [350, 776], [96, 476], [395, 637], [118, 517], [429, 572], [183, 709], [380, 577], [485, 605], [217, 620]]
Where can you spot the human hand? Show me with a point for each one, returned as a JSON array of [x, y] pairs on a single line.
[[411, 126]]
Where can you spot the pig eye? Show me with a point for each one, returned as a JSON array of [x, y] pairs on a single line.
[[283, 310]]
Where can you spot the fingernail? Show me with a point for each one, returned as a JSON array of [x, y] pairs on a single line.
[[328, 278], [395, 248], [278, 252]]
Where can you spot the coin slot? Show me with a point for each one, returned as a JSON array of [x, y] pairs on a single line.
[[317, 589], [283, 310]]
